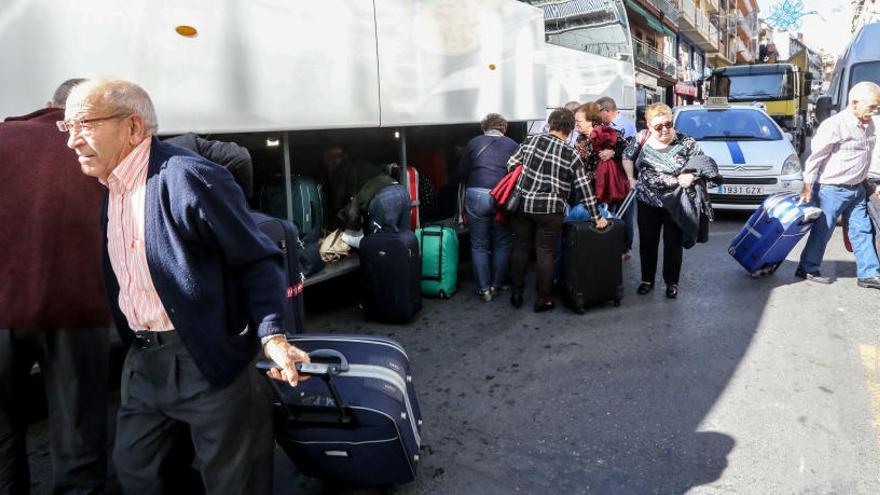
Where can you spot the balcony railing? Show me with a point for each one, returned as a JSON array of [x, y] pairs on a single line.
[[696, 23], [561, 9], [748, 23], [649, 56], [744, 50], [670, 9], [713, 34]]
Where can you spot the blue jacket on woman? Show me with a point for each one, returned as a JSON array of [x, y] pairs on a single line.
[[218, 276], [490, 166]]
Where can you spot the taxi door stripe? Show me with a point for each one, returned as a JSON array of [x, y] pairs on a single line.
[[736, 153]]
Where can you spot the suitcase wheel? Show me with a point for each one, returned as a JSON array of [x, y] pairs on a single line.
[[617, 303], [442, 295]]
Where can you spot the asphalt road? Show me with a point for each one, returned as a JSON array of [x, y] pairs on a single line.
[[740, 385]]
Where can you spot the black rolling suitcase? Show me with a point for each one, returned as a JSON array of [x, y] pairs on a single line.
[[592, 269], [392, 271], [357, 420], [285, 235]]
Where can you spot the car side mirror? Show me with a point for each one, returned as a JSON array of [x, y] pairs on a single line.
[[824, 108], [789, 136]]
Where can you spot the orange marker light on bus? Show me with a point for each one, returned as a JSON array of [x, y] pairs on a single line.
[[187, 31]]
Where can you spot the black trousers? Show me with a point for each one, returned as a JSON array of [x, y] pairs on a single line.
[[546, 230], [651, 221], [74, 365], [230, 428]]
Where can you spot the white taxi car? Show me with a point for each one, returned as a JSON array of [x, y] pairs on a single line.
[[755, 157]]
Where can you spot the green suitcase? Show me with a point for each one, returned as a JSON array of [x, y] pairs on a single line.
[[439, 246]]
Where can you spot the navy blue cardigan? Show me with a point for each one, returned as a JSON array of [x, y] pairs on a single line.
[[218, 276]]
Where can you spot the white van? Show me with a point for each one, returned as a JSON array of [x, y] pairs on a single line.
[[859, 62]]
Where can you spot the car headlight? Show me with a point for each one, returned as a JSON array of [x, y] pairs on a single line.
[[791, 166]]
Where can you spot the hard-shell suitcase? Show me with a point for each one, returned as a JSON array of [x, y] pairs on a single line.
[[413, 190], [307, 203], [592, 269], [357, 420], [391, 268], [285, 235], [772, 232], [308, 206], [439, 247]]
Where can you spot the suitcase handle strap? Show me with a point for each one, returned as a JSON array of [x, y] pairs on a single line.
[[439, 276]]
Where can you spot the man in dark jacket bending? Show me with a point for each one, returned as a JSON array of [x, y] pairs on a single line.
[[197, 288]]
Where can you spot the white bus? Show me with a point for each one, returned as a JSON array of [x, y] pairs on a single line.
[[402, 81], [589, 52]]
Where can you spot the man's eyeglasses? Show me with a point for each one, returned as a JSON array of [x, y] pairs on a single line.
[[660, 126], [78, 125]]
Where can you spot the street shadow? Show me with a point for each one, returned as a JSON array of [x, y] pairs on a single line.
[[610, 402]]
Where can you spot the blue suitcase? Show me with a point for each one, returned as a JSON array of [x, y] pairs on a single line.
[[357, 420], [391, 269], [772, 232]]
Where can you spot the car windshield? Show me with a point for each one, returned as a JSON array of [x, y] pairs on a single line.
[[738, 124]]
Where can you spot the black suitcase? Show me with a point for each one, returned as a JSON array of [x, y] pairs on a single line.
[[391, 268], [357, 420], [285, 235], [592, 269]]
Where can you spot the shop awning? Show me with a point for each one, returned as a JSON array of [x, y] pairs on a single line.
[[653, 22]]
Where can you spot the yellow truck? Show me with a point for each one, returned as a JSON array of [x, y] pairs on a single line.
[[782, 88]]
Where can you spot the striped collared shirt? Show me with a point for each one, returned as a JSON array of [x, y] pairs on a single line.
[[842, 148], [138, 299], [550, 169]]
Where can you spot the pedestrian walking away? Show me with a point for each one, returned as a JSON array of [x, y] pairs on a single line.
[[835, 180], [659, 153], [196, 289], [54, 311], [483, 164], [550, 169]]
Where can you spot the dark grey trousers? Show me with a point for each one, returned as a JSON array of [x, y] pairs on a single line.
[[73, 364], [231, 428]]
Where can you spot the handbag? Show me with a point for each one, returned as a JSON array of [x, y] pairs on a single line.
[[333, 247], [507, 194]]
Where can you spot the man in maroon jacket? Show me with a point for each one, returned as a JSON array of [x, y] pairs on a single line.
[[52, 305]]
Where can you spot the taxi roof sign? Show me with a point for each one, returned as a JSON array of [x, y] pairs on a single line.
[[717, 102]]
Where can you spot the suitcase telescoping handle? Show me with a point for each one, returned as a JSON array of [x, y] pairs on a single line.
[[326, 371], [607, 229]]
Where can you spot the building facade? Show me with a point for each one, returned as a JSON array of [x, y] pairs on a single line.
[[864, 12], [653, 24]]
